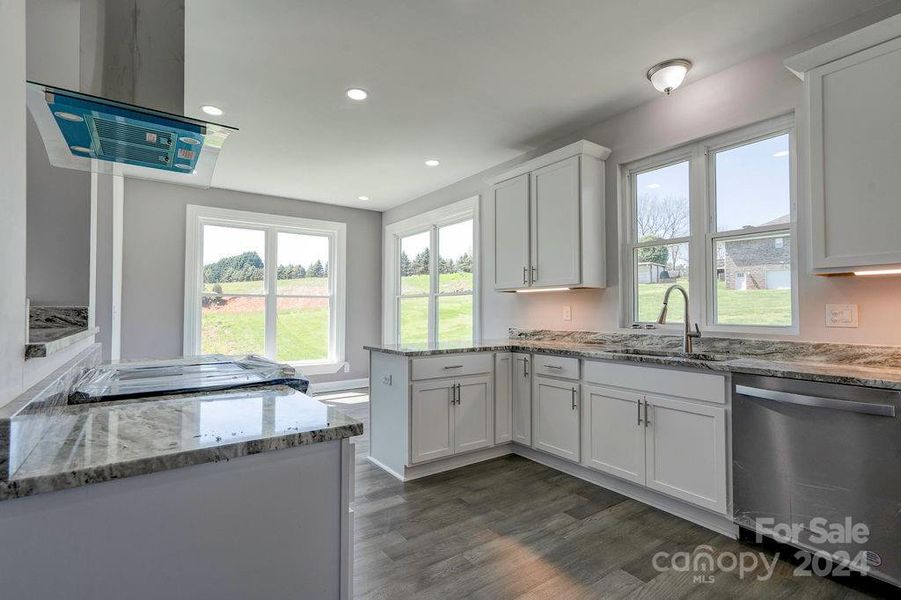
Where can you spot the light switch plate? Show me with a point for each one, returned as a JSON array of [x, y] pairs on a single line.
[[841, 315], [567, 313]]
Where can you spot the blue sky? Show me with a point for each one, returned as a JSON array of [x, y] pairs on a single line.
[[752, 183]]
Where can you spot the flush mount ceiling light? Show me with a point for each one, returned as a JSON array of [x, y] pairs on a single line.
[[357, 94], [432, 162], [668, 75], [211, 110]]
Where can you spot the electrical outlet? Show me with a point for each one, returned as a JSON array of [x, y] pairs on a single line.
[[567, 313], [386, 379], [841, 315]]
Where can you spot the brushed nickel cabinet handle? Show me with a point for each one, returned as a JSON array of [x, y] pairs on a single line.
[[534, 274], [646, 420], [574, 399], [638, 406], [453, 367], [525, 275], [525, 367], [459, 392], [552, 367]]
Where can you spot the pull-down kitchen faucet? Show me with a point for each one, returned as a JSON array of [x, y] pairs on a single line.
[[661, 320]]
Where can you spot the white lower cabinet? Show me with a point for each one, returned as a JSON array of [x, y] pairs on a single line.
[[686, 451], [521, 388], [614, 432], [450, 416], [472, 417], [503, 397], [555, 417], [432, 419]]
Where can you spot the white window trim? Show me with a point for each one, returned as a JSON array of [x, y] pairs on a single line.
[[427, 221], [702, 208], [198, 216]]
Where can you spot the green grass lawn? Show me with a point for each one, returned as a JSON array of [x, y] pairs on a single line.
[[734, 307], [303, 332]]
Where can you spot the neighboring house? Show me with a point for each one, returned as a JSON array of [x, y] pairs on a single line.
[[758, 263], [649, 272]]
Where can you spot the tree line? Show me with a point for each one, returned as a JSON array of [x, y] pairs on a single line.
[[248, 266], [421, 262]]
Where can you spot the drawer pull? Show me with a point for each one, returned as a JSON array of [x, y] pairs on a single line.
[[556, 367], [453, 367], [574, 399]]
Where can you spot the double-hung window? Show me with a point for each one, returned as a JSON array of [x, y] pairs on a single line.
[[431, 272], [267, 285], [716, 217]]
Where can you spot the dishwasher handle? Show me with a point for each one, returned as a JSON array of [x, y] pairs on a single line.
[[867, 408]]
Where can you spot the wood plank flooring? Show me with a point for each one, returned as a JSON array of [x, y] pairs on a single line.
[[511, 528]]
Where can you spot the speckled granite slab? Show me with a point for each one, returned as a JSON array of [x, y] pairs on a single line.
[[42, 317], [52, 328], [851, 364], [89, 443]]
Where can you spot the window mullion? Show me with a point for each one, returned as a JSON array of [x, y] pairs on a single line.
[[270, 272], [433, 284]]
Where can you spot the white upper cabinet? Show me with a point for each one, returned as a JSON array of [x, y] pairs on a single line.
[[549, 221], [511, 233], [853, 86], [555, 248]]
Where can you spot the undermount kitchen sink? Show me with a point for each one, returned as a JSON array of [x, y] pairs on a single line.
[[669, 354]]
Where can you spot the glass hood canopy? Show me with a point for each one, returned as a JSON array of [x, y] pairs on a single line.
[[88, 133]]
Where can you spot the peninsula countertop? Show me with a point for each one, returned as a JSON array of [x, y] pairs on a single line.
[[850, 364], [74, 445]]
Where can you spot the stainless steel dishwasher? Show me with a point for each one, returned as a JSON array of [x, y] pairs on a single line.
[[811, 458]]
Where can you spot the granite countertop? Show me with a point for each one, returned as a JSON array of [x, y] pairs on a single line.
[[52, 328], [851, 364], [88, 443]]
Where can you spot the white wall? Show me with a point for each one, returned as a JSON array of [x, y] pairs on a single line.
[[752, 91], [154, 264], [12, 198]]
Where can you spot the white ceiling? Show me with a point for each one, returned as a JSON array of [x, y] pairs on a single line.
[[473, 83]]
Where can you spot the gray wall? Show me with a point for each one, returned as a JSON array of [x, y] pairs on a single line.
[[154, 265], [59, 229], [59, 200], [752, 91], [12, 198]]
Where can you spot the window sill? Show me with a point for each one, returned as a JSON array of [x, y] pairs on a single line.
[[321, 368]]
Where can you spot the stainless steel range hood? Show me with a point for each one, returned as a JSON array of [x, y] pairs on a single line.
[[126, 117]]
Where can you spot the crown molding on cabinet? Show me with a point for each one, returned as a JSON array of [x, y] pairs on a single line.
[[581, 147]]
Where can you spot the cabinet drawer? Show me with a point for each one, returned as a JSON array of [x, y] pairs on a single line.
[[452, 365], [695, 386], [556, 366]]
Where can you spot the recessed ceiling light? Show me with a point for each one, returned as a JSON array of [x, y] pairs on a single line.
[[363, 198], [432, 163], [211, 110], [67, 116], [780, 154], [357, 94]]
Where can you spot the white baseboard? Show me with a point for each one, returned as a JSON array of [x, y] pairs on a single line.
[[319, 387], [446, 464], [718, 523]]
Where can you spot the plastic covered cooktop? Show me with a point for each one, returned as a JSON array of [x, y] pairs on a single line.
[[211, 372]]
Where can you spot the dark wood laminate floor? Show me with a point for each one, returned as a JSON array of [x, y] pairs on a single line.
[[511, 528]]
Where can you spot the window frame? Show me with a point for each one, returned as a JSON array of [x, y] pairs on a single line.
[[198, 216], [430, 221], [703, 235]]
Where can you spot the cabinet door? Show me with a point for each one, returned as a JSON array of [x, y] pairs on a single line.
[[686, 451], [555, 413], [511, 233], [503, 397], [556, 240], [432, 421], [855, 127], [473, 422], [522, 399], [613, 439]]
